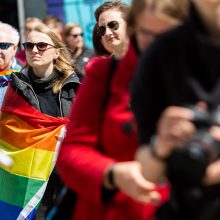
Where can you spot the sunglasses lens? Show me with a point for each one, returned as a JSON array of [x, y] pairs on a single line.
[[28, 46], [101, 30], [5, 46], [113, 25], [42, 46], [77, 35]]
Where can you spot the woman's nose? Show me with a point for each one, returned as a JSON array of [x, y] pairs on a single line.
[[35, 48], [108, 30]]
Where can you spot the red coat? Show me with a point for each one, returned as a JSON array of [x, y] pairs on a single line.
[[80, 162]]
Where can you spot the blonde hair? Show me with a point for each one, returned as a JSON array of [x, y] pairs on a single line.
[[175, 9], [63, 62], [33, 19], [67, 31], [68, 28]]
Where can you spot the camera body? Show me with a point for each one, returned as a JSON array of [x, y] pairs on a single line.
[[188, 163]]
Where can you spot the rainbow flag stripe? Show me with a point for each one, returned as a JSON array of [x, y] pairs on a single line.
[[32, 140], [5, 75]]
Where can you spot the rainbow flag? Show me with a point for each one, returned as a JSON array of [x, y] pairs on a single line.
[[32, 140], [5, 75]]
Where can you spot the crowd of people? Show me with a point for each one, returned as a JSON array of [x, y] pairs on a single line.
[[129, 107]]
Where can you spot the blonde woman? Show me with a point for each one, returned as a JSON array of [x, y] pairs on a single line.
[[48, 82]]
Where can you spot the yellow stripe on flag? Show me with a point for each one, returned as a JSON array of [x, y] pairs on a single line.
[[31, 163]]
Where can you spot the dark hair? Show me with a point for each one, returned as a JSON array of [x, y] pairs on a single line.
[[109, 5], [97, 45]]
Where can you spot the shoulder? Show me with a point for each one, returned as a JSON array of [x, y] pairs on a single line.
[[73, 78], [166, 49], [18, 75], [97, 65], [170, 41]]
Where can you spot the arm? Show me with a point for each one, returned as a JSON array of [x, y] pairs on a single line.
[[80, 163], [150, 100]]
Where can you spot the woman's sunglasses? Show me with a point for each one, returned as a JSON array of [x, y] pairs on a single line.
[[76, 35], [113, 25], [41, 46], [5, 46]]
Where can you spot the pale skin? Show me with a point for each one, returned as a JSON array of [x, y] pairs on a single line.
[[129, 179], [42, 62], [149, 25], [114, 40]]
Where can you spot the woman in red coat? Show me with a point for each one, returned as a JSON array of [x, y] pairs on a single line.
[[96, 159]]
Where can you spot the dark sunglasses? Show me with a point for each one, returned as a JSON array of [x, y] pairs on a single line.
[[113, 25], [76, 35], [41, 46], [5, 46]]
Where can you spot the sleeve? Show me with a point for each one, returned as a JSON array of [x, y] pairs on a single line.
[[80, 163], [146, 93]]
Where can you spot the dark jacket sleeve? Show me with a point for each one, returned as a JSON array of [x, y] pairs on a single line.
[[146, 92]]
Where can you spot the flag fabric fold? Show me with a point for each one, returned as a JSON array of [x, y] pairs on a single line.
[[32, 139]]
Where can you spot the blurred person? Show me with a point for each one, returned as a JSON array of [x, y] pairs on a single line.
[[177, 83], [56, 24], [30, 24], [101, 141], [48, 83], [9, 39], [73, 36]]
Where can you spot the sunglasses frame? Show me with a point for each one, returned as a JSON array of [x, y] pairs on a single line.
[[76, 35], [112, 25], [32, 45], [7, 45]]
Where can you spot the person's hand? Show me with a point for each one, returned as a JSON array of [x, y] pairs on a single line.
[[128, 178], [212, 175], [174, 128]]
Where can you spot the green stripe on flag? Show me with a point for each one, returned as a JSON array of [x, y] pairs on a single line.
[[17, 190]]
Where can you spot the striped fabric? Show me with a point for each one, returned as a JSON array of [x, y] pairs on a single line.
[[32, 140], [4, 77]]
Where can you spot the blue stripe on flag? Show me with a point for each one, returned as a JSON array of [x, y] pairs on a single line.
[[8, 211]]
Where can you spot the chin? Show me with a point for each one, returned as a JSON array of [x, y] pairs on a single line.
[[114, 43]]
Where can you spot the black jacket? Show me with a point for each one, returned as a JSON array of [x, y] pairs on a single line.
[[21, 83]]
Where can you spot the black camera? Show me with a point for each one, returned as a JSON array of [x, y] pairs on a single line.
[[187, 165]]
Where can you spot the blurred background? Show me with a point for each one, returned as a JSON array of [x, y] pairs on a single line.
[[14, 12]]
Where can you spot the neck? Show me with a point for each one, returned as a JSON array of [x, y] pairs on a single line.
[[43, 72]]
